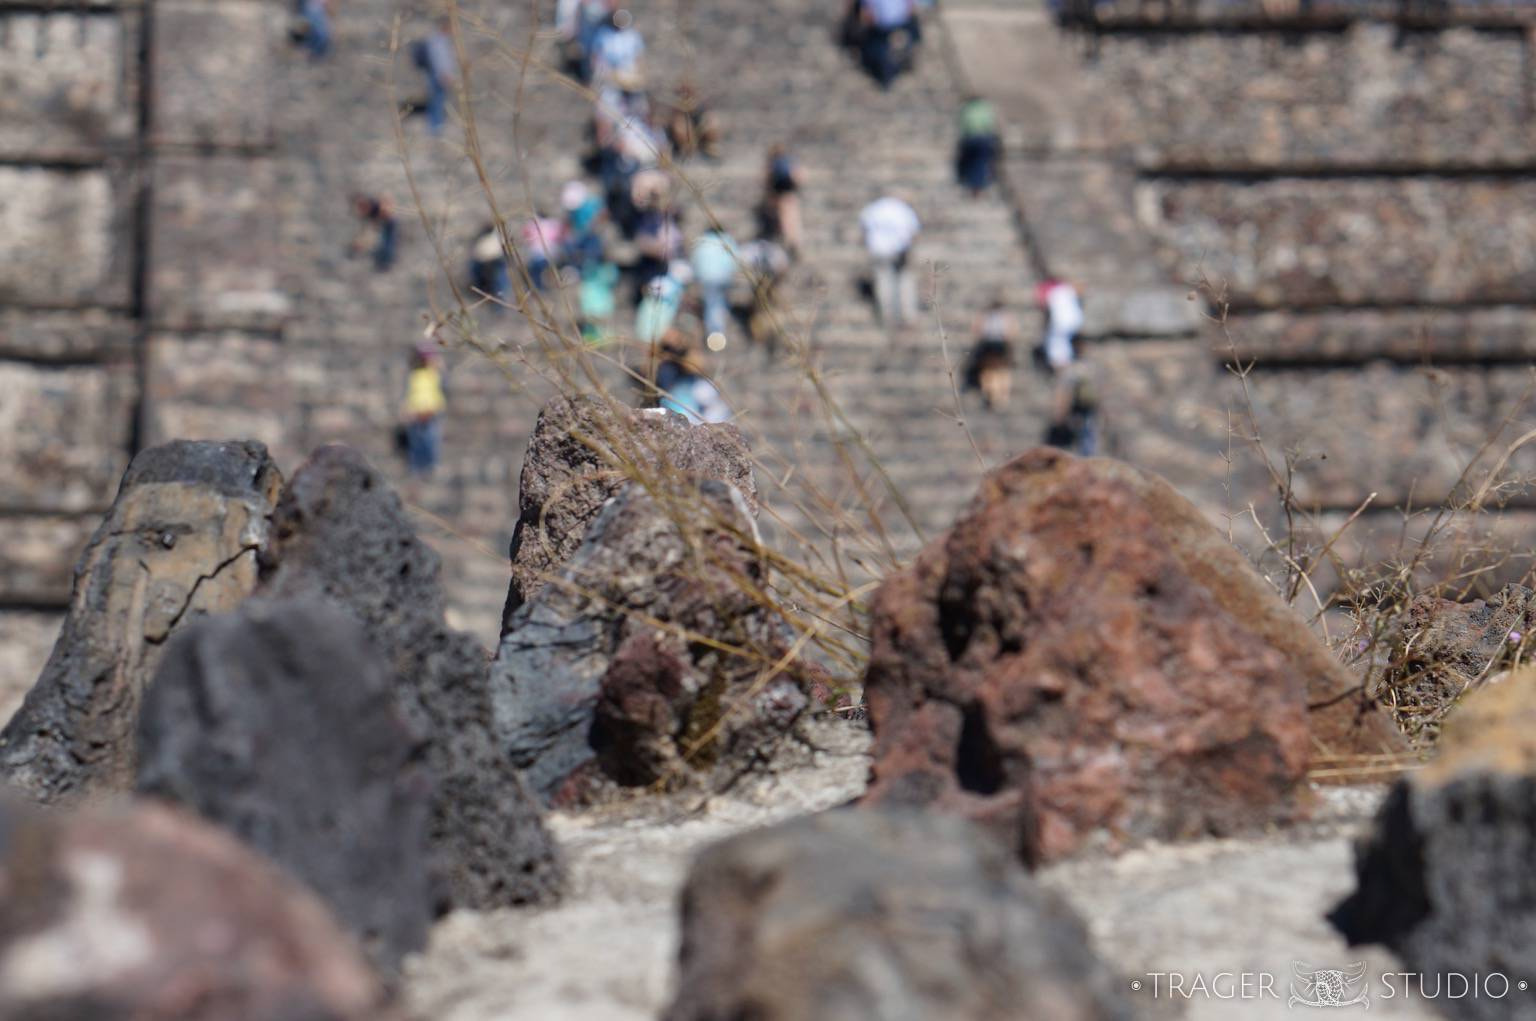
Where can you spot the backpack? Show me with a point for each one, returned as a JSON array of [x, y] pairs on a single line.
[[421, 58]]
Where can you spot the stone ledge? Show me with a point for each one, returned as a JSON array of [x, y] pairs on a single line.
[[66, 337], [38, 557], [1409, 335]]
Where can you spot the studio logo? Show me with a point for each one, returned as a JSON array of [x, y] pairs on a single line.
[[1328, 987]]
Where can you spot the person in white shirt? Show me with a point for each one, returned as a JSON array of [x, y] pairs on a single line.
[[1063, 318], [890, 227]]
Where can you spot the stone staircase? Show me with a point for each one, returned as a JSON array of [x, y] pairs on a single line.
[[775, 74]]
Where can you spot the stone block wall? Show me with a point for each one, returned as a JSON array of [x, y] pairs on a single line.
[[135, 216]]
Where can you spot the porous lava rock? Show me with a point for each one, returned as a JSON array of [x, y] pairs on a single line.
[[138, 912], [1443, 877], [279, 723], [1083, 660], [339, 533], [860, 913], [180, 541], [582, 452], [654, 658]]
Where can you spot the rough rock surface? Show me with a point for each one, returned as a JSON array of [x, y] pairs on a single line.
[[181, 540], [651, 659], [573, 467], [339, 532], [858, 913], [1444, 877], [1445, 646], [141, 913], [1083, 660], [279, 723]]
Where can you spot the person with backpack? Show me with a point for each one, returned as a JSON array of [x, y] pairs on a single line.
[[436, 58], [886, 21]]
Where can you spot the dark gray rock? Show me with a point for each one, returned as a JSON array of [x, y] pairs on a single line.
[[164, 918], [866, 914], [180, 541], [1444, 875], [279, 723], [340, 533], [648, 661], [582, 452]]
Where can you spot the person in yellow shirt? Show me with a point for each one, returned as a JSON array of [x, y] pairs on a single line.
[[423, 412]]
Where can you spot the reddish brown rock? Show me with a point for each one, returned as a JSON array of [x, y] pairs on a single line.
[[1083, 659], [582, 452], [140, 913]]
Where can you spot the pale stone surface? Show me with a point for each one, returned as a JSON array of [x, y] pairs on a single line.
[[214, 238], [68, 83], [63, 237], [38, 556], [64, 435], [212, 72]]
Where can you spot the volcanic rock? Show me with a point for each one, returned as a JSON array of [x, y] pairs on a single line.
[[279, 723], [859, 913], [1082, 659], [180, 541], [582, 452], [340, 533], [1444, 876], [141, 913], [654, 657]]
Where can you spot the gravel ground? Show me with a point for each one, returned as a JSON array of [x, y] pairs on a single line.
[[606, 953]]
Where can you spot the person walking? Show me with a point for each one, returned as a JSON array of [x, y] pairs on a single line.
[[886, 21], [991, 362], [317, 27], [714, 259], [423, 411], [1063, 306], [1074, 421], [488, 271], [376, 216], [438, 62], [890, 228], [976, 158], [779, 219]]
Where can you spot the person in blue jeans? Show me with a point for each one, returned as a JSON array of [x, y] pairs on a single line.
[[439, 64], [883, 20], [317, 21]]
